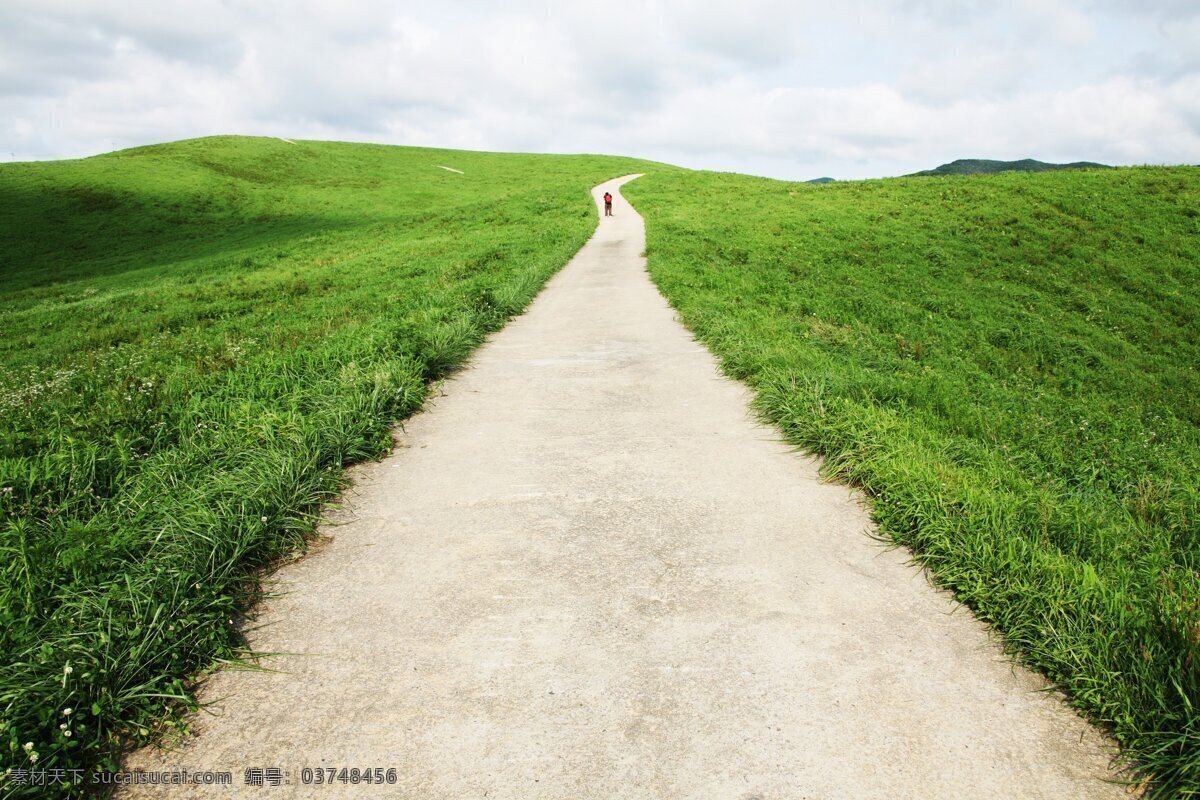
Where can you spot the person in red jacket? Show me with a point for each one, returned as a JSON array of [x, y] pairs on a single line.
[[607, 204]]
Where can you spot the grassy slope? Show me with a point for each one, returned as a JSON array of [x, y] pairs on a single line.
[[194, 339], [1008, 365]]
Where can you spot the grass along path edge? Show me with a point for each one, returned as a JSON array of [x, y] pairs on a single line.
[[1007, 366], [181, 402]]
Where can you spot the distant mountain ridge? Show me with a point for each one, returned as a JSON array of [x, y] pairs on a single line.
[[821, 180], [977, 166]]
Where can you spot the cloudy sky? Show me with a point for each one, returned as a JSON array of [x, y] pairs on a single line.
[[791, 89]]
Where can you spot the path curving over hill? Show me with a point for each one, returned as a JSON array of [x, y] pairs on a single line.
[[588, 573]]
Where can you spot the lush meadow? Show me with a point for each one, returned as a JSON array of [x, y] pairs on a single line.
[[1008, 365], [195, 338]]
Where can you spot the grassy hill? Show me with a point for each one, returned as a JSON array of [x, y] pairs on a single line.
[[983, 166], [1009, 366], [194, 339]]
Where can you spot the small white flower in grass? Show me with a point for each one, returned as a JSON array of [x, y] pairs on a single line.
[[33, 757], [27, 746], [67, 734], [264, 519], [68, 712], [62, 727], [67, 670]]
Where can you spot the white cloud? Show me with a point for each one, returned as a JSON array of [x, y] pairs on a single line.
[[782, 88]]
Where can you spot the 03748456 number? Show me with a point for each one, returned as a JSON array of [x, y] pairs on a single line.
[[316, 776]]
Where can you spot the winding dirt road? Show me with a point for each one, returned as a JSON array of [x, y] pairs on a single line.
[[588, 573]]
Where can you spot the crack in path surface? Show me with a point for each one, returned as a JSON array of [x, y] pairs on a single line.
[[589, 573]]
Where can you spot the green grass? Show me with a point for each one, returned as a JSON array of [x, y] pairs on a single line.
[[195, 338], [1008, 366]]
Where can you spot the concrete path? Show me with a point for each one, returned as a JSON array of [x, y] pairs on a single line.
[[587, 573]]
